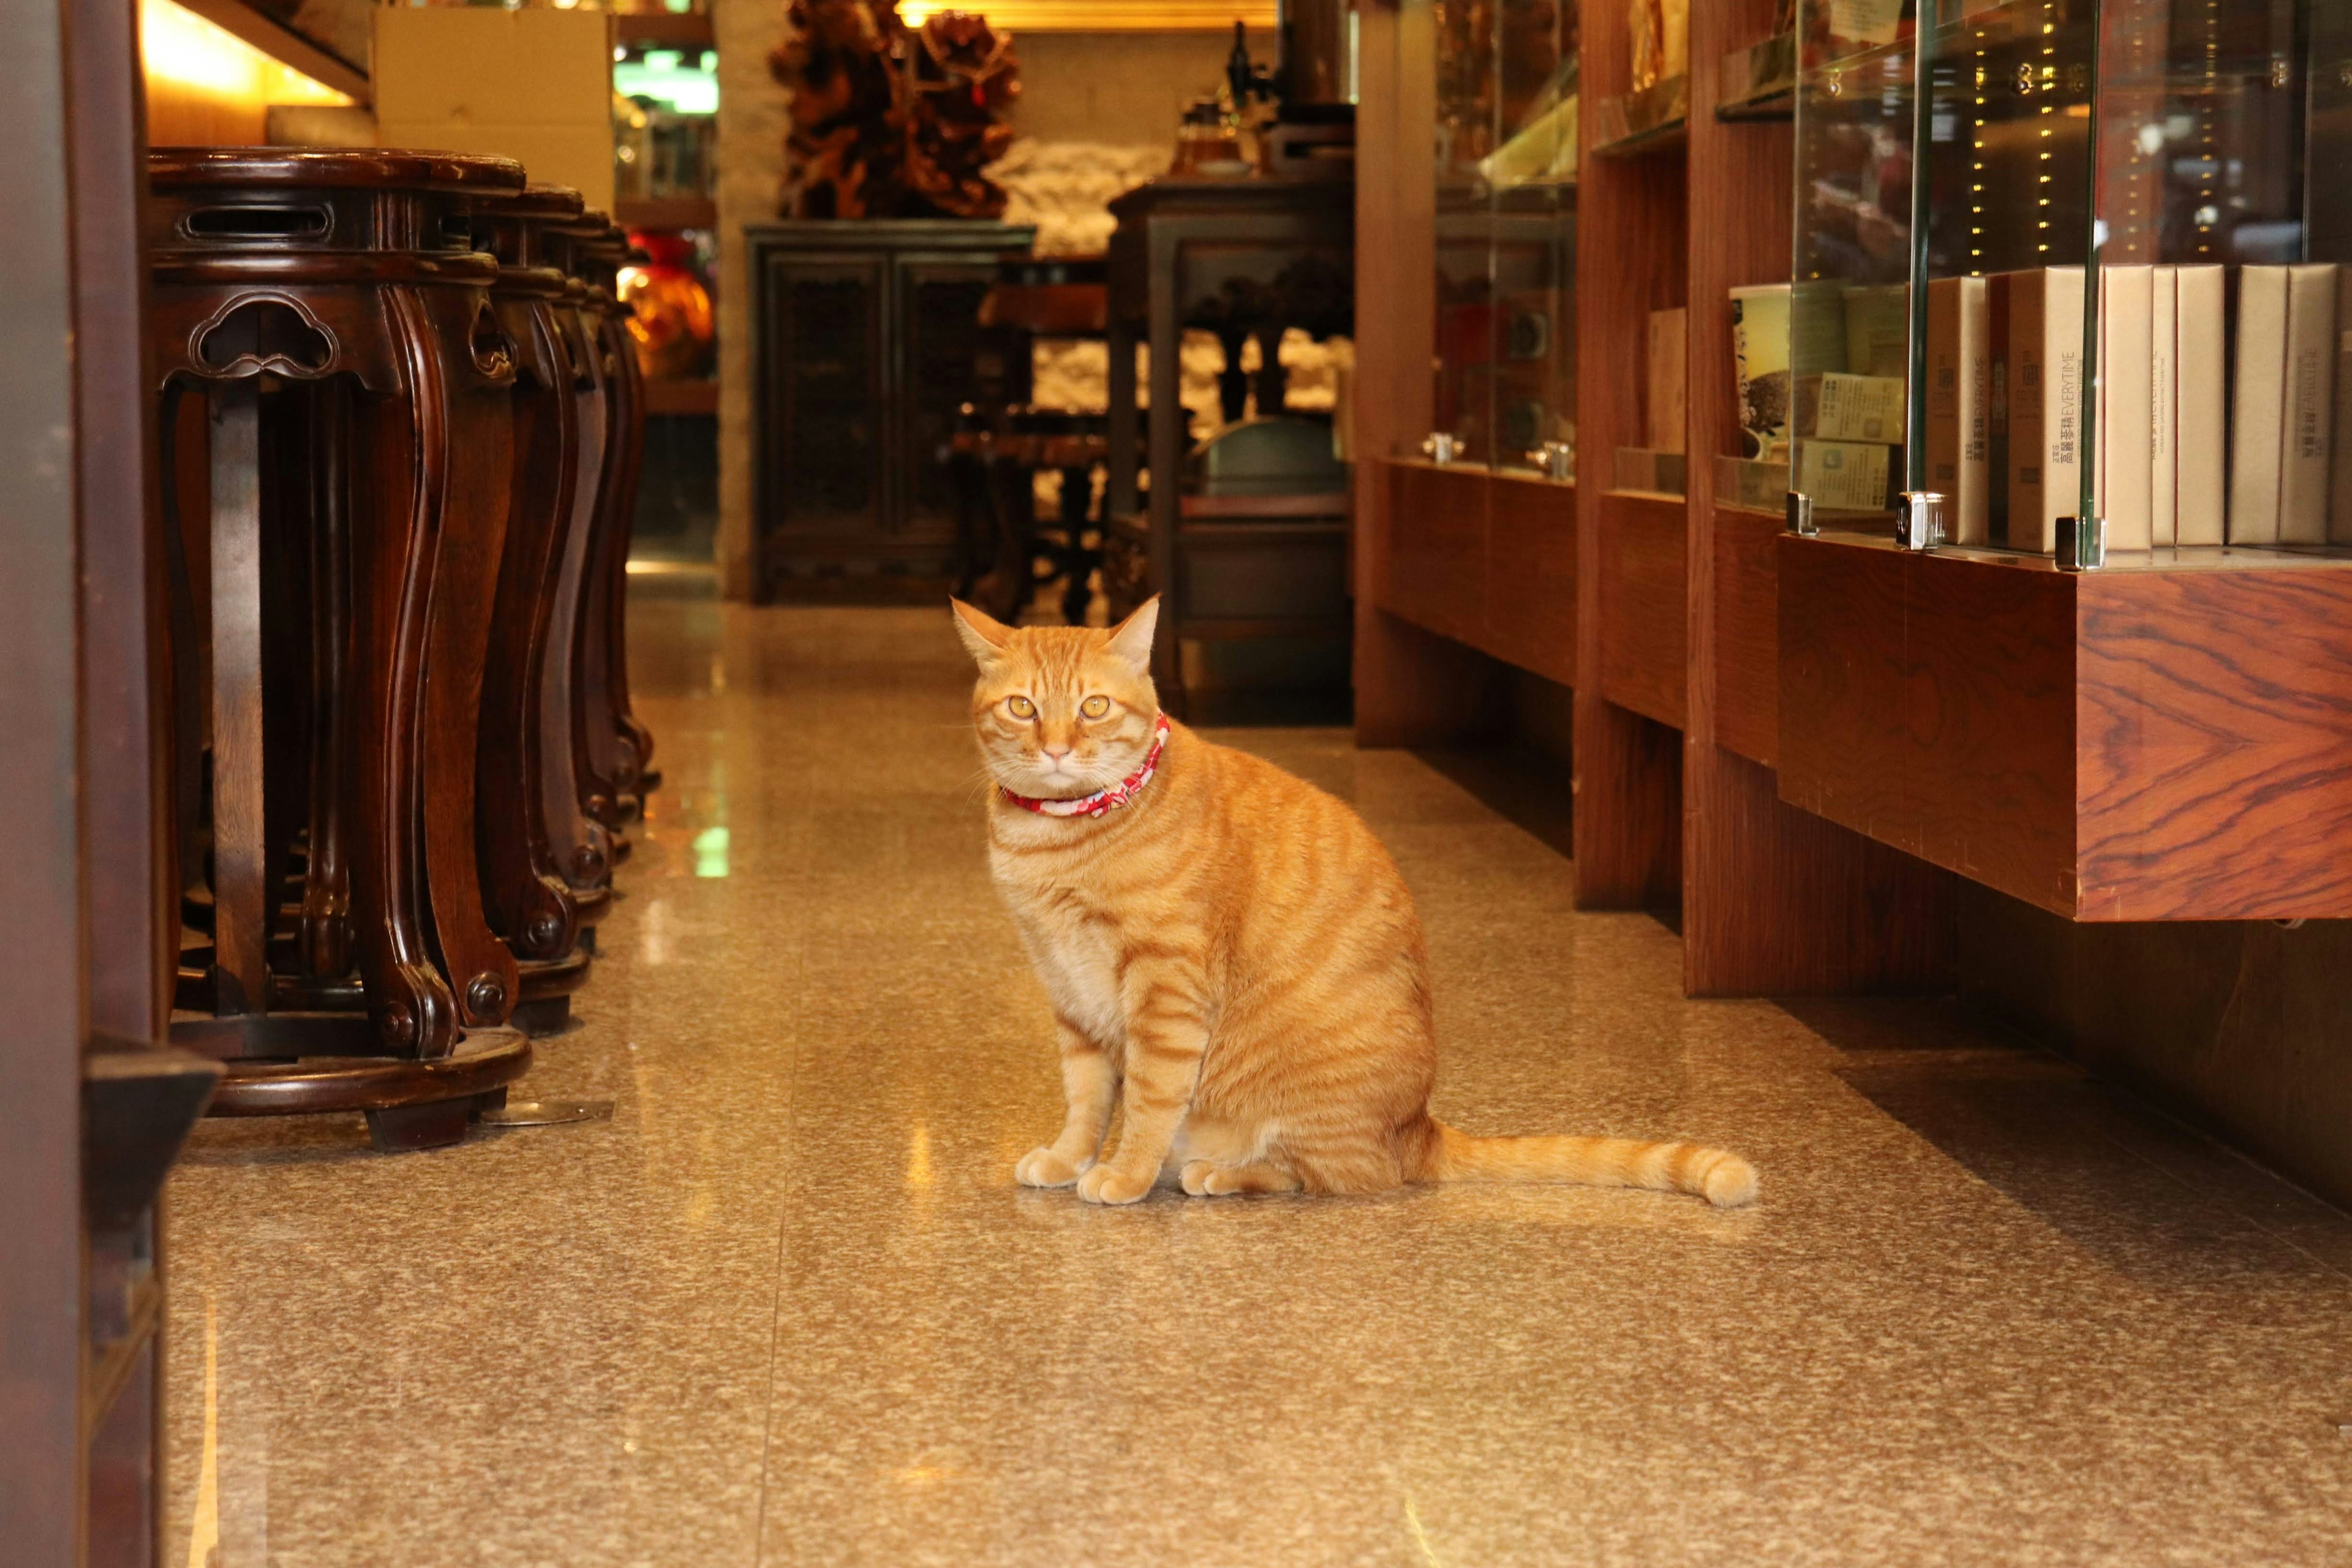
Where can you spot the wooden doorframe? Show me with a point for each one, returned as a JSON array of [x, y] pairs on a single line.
[[85, 932], [41, 1028]]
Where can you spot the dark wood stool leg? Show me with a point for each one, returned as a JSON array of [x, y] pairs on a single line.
[[464, 376], [402, 1129], [394, 552], [610, 736], [578, 814], [526, 886], [605, 759], [244, 890], [324, 934]]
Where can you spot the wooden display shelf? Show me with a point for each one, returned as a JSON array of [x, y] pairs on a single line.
[[1745, 596], [1644, 566], [1486, 559], [1654, 118], [2162, 740]]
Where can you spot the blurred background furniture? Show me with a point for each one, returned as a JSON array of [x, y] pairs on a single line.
[[1004, 555], [868, 343], [1247, 549]]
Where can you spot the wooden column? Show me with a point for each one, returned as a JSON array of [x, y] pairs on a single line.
[[1775, 900], [1630, 249]]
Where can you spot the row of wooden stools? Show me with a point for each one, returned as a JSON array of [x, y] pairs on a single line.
[[402, 421]]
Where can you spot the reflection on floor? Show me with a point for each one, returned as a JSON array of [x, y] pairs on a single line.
[[787, 1307]]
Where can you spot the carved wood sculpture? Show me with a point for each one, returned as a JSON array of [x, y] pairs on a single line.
[[894, 121], [331, 312]]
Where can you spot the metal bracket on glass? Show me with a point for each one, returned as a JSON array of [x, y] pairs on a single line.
[[1555, 458], [1442, 447], [2082, 543], [1919, 525], [1801, 515]]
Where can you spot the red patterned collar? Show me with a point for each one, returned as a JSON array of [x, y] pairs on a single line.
[[1103, 800]]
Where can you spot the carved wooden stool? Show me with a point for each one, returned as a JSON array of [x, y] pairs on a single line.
[[615, 747], [607, 742], [546, 864], [330, 312]]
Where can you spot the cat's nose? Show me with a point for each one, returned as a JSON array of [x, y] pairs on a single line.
[[1055, 753]]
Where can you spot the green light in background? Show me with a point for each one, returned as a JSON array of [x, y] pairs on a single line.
[[664, 76], [711, 852]]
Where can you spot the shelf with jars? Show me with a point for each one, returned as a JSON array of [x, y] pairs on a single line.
[[2069, 615]]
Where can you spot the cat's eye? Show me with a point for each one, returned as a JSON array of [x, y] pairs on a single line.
[[1021, 708], [1095, 706]]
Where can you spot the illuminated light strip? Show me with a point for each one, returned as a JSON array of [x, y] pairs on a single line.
[[1102, 15], [182, 47]]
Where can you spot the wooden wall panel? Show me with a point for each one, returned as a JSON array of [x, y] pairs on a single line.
[[1434, 558], [1744, 604], [1644, 564], [1629, 808], [1631, 240], [1412, 688], [1928, 703], [2120, 746], [1531, 575], [1989, 703], [1780, 902], [2213, 744]]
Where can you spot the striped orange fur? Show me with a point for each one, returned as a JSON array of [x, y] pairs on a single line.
[[1231, 956]]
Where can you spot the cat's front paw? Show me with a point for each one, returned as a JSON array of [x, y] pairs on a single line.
[[1040, 1167], [1108, 1184]]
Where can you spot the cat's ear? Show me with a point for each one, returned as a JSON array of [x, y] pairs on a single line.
[[1131, 639], [983, 637]]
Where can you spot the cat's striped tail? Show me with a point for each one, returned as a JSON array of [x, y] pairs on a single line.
[[1722, 1178]]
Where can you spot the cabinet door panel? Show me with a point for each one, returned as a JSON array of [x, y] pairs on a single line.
[[938, 326], [825, 469]]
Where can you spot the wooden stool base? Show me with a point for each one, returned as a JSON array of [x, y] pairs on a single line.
[[409, 1104], [276, 1036], [547, 1016], [544, 979]]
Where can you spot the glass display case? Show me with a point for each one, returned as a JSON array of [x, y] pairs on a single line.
[[1848, 318], [1505, 352], [2068, 272]]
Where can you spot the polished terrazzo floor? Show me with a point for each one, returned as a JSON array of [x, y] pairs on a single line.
[[788, 1307]]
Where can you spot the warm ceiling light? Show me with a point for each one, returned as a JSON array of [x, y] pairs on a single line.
[[182, 46]]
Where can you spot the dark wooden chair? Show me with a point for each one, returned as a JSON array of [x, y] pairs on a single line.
[[1004, 552], [324, 328]]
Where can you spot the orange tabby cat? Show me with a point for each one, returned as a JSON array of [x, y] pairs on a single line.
[[1229, 950]]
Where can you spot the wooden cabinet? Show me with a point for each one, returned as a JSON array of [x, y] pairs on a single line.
[[1486, 559], [2106, 745], [868, 342]]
